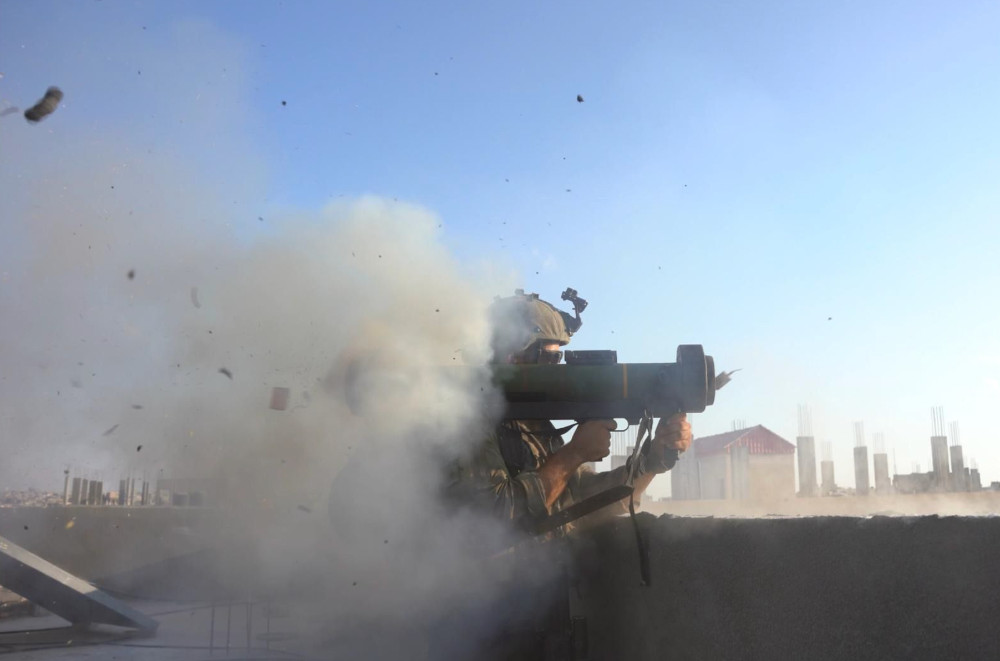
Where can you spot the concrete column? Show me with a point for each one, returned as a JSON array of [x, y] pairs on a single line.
[[975, 484], [939, 462], [957, 469], [883, 484], [806, 455], [66, 491], [861, 482], [74, 494], [829, 484], [123, 492], [84, 491]]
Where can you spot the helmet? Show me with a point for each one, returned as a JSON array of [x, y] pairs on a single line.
[[521, 320]]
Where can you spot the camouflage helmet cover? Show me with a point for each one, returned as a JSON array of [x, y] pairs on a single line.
[[523, 319]]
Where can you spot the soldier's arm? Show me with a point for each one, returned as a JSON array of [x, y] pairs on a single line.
[[484, 482]]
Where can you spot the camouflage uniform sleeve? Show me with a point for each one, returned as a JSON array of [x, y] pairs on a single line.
[[484, 482]]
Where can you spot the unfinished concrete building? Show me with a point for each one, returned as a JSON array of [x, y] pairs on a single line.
[[862, 484], [948, 469], [829, 482], [880, 464], [939, 451], [753, 464], [959, 475], [805, 445]]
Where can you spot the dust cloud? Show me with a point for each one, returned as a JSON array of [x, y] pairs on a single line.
[[150, 311]]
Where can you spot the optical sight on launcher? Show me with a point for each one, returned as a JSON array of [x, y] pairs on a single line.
[[594, 385]]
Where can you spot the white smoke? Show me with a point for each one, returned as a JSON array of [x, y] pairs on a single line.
[[149, 312]]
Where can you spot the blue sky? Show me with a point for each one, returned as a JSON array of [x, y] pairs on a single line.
[[807, 189]]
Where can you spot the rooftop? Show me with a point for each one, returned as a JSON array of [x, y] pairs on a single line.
[[759, 439]]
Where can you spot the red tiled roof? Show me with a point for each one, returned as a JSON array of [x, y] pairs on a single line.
[[759, 439]]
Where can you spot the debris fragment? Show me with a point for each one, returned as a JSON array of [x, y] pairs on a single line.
[[725, 377], [131, 274], [138, 448], [70, 523], [284, 103], [224, 371], [579, 98], [110, 431], [829, 318], [194, 297], [137, 407], [279, 398], [305, 509], [46, 106], [9, 111]]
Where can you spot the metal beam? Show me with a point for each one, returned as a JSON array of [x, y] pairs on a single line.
[[58, 591]]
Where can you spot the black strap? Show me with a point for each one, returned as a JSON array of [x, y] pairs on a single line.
[[549, 523], [550, 432], [645, 429]]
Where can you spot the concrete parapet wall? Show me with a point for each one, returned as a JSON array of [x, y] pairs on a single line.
[[802, 588], [98, 542]]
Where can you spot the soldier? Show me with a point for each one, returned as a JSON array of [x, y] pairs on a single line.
[[523, 471], [524, 468]]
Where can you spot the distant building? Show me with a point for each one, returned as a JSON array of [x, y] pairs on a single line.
[[187, 491], [746, 464], [930, 482], [914, 482]]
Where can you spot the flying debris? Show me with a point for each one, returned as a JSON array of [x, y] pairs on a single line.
[[194, 297], [227, 373], [9, 111], [279, 398], [111, 431], [46, 106], [725, 377], [131, 274], [579, 98]]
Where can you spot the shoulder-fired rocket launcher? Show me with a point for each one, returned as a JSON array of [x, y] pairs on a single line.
[[594, 385]]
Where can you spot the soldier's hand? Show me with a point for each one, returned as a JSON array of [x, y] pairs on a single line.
[[592, 440], [673, 433]]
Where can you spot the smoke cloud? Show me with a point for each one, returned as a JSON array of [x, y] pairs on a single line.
[[150, 313]]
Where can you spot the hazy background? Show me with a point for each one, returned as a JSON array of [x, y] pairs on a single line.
[[807, 191]]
